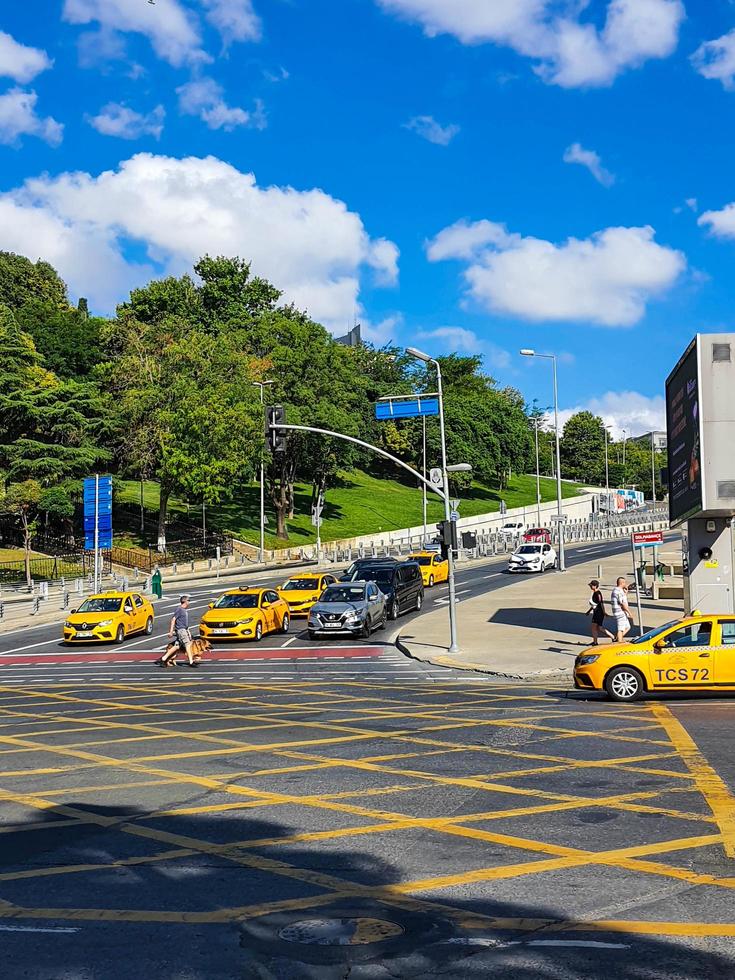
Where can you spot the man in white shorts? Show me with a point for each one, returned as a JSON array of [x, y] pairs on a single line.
[[620, 609]]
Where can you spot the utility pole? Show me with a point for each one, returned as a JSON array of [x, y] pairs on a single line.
[[423, 485], [261, 557], [559, 508], [653, 472], [453, 643], [537, 425]]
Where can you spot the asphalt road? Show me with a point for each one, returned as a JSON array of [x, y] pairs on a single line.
[[357, 815], [473, 579]]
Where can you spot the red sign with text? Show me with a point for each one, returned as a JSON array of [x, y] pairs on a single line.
[[647, 539]]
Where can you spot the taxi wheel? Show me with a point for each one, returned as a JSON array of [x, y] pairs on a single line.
[[285, 623], [149, 626], [258, 632], [431, 581], [120, 635], [624, 684]]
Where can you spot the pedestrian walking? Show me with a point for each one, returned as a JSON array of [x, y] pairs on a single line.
[[597, 611], [620, 608], [157, 583], [179, 633]]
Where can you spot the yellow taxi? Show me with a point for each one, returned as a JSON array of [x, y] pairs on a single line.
[[692, 654], [303, 590], [245, 614], [434, 568], [109, 617]]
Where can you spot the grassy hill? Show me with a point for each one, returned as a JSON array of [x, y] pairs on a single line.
[[360, 504]]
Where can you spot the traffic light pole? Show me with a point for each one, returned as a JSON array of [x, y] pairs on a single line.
[[444, 494], [453, 644]]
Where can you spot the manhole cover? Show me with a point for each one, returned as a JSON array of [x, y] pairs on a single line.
[[340, 932]]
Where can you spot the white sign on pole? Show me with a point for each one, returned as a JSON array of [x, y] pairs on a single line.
[[436, 478], [455, 504]]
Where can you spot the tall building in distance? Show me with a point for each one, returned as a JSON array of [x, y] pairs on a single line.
[[659, 440]]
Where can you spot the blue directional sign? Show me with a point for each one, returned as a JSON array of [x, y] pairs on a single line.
[[98, 510], [406, 408]]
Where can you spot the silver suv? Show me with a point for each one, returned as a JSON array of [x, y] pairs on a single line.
[[356, 608]]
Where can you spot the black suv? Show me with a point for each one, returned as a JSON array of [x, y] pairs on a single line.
[[400, 582], [352, 574]]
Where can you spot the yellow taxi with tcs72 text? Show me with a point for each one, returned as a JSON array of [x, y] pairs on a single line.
[[302, 591], [245, 614], [692, 654], [434, 568], [109, 617]]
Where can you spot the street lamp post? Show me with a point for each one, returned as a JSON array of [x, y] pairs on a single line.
[[625, 442], [423, 486], [607, 474], [453, 643], [559, 510], [262, 385]]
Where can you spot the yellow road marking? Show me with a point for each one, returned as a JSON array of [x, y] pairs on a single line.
[[708, 782]]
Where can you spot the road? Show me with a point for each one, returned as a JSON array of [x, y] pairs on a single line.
[[24, 645], [362, 816]]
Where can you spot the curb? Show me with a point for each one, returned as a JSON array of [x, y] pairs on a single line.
[[560, 673]]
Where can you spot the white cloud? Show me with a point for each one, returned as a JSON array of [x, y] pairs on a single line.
[[567, 51], [716, 59], [720, 223], [18, 117], [19, 62], [174, 210], [590, 159], [605, 279], [116, 119], [460, 340], [203, 97], [429, 129], [624, 410], [381, 333], [170, 28], [235, 20]]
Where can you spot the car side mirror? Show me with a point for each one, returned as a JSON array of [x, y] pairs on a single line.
[[265, 605], [660, 644], [73, 611], [210, 605]]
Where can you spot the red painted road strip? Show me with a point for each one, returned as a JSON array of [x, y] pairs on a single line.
[[117, 656]]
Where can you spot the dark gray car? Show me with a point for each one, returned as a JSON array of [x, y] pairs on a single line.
[[356, 608]]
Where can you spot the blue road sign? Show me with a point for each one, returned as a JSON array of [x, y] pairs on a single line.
[[406, 408], [98, 510]]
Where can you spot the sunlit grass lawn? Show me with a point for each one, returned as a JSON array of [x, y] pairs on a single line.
[[360, 504]]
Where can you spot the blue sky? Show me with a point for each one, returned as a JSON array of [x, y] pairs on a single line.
[[472, 175]]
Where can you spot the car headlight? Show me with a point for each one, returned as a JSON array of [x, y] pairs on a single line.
[[244, 622], [106, 622], [354, 618], [589, 659], [68, 626]]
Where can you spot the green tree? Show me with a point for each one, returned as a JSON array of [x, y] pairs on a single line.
[[68, 340], [583, 448], [191, 417], [50, 429], [20, 501], [22, 281]]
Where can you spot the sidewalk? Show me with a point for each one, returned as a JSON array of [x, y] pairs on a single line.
[[533, 626]]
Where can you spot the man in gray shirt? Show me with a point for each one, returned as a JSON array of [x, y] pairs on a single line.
[[179, 627], [620, 609]]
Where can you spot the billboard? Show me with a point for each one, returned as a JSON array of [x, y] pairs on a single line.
[[683, 424]]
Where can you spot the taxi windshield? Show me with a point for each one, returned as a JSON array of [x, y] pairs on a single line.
[[100, 606], [300, 585], [247, 600], [652, 634], [343, 593], [420, 559]]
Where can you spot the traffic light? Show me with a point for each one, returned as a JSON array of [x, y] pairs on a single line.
[[275, 438], [448, 537]]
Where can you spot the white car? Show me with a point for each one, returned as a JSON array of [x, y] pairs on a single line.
[[532, 558], [512, 528]]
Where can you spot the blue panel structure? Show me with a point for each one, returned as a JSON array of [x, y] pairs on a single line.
[[406, 408], [98, 491]]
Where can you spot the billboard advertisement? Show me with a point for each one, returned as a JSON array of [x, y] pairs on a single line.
[[683, 423]]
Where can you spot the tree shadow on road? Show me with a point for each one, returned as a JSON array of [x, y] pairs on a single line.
[[229, 894]]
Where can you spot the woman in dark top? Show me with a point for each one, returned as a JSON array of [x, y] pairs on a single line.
[[597, 610]]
